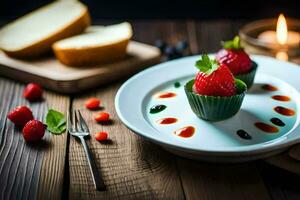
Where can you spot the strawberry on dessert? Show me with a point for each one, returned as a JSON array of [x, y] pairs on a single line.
[[33, 92], [237, 60], [234, 56], [20, 115], [33, 131], [214, 94], [213, 79]]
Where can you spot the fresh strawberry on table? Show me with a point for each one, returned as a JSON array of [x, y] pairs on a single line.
[[234, 56], [33, 92], [33, 131], [213, 79], [101, 136], [102, 117], [20, 115], [92, 103]]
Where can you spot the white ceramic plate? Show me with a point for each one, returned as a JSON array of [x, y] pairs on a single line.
[[212, 141]]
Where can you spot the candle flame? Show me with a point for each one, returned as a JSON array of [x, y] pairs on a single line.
[[281, 30]]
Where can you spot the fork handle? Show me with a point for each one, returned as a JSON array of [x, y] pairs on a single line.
[[97, 179]]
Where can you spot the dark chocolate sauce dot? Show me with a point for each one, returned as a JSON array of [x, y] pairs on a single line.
[[243, 134], [177, 84], [157, 108], [277, 121]]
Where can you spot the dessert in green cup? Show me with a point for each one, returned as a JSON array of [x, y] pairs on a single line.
[[214, 94], [238, 61]]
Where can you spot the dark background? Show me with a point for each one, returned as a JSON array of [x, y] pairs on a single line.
[[163, 9]]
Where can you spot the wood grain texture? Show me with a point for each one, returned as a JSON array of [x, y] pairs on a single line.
[[28, 171], [132, 168], [217, 181], [53, 164], [221, 181], [51, 74], [210, 34]]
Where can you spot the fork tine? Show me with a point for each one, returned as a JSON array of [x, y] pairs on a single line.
[[69, 122], [83, 124], [76, 125]]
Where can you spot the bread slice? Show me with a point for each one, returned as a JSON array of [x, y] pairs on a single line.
[[97, 45], [34, 33]]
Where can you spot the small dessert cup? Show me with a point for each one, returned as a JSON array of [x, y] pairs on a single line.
[[215, 108], [248, 78]]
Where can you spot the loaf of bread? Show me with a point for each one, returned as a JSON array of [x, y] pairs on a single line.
[[34, 33], [101, 44]]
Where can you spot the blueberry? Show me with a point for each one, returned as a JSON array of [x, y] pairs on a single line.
[[172, 53], [181, 46], [169, 50], [160, 44]]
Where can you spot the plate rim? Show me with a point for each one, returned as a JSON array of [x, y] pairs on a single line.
[[276, 144]]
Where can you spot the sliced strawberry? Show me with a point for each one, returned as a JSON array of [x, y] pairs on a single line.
[[102, 117], [20, 115], [33, 92], [234, 56], [92, 103], [213, 79], [33, 131], [101, 136]]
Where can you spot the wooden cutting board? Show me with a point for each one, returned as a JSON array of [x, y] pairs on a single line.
[[51, 74]]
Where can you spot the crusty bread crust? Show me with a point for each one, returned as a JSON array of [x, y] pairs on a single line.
[[76, 27], [91, 55]]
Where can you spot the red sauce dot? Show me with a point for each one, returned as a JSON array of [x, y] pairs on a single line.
[[168, 120], [281, 98], [266, 127], [185, 132], [269, 87], [284, 111], [165, 95]]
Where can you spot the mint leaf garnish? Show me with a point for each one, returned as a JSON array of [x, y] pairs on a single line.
[[56, 122], [207, 65], [234, 44]]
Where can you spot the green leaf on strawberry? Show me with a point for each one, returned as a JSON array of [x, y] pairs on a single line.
[[207, 65], [234, 44], [56, 122]]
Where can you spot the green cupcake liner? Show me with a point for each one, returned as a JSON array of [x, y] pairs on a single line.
[[248, 78], [215, 108]]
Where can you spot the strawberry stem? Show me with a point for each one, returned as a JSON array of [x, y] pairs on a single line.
[[234, 44], [206, 65]]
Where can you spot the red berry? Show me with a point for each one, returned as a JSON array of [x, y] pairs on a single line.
[[92, 103], [238, 61], [101, 136], [234, 56], [33, 131], [33, 92], [102, 117], [20, 115], [219, 81]]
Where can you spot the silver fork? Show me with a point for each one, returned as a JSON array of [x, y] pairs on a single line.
[[79, 129]]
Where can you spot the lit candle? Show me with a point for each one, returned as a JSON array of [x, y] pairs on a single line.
[[282, 55], [281, 36]]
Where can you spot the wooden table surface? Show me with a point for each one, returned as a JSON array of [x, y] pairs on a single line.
[[132, 167]]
